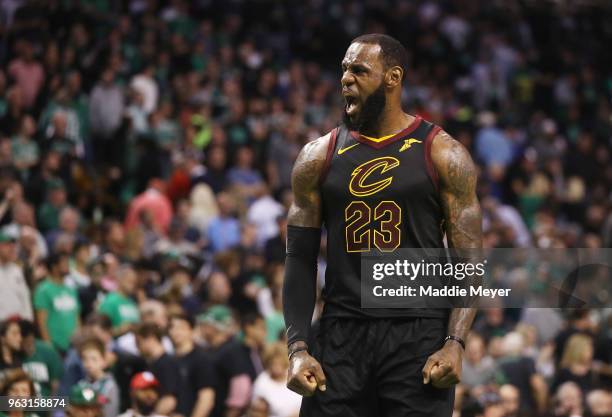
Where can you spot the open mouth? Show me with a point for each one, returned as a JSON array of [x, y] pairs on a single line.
[[351, 103]]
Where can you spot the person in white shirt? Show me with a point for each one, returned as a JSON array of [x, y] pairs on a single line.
[[270, 385], [14, 291]]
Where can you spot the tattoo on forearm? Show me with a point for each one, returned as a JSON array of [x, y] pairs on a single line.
[[462, 215]]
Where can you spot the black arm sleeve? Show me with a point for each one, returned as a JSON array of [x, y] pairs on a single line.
[[300, 284]]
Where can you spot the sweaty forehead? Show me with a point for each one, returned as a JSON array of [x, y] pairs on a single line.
[[362, 53]]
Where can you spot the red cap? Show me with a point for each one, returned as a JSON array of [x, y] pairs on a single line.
[[144, 380]]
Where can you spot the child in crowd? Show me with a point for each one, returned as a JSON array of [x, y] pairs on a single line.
[[93, 356]]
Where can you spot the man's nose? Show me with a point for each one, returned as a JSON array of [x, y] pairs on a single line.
[[347, 79]]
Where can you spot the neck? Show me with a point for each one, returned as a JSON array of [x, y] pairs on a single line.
[[56, 278], [219, 339], [158, 351], [97, 375], [81, 267], [391, 121], [250, 343], [185, 347]]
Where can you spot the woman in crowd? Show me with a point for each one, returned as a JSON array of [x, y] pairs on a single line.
[[18, 384]]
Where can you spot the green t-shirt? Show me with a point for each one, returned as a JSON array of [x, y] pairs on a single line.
[[119, 308], [48, 217], [44, 366], [275, 326], [62, 306]]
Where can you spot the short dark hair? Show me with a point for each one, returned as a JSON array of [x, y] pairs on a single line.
[[54, 259], [13, 376], [98, 319], [146, 330], [92, 343], [392, 52], [28, 328], [183, 317], [250, 318]]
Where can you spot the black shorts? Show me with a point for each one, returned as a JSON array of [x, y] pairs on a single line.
[[374, 369]]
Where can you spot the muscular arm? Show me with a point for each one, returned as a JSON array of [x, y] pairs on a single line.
[[300, 283], [462, 216], [463, 221], [306, 208], [300, 291]]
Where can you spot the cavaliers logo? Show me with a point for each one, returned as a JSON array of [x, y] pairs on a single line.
[[361, 187]]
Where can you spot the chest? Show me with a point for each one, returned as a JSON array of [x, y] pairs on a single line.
[[395, 172]]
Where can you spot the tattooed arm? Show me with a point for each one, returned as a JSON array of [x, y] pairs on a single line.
[[462, 218], [300, 283]]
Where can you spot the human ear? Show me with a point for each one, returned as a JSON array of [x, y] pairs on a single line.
[[393, 77]]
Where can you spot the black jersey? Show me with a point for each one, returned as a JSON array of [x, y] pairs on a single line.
[[377, 195]]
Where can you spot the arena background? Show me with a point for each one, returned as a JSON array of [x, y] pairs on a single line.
[[152, 143]]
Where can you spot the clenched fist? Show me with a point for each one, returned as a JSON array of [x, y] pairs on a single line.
[[305, 374]]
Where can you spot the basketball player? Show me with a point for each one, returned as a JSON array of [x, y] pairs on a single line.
[[384, 179]]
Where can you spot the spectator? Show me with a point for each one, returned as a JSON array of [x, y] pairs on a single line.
[[41, 361], [17, 383], [275, 246], [93, 355], [568, 401], [492, 323], [57, 305], [163, 366], [28, 73], [84, 401], [224, 230], [510, 400], [264, 213], [16, 297], [478, 368], [232, 367], [198, 379], [215, 175], [144, 389], [253, 342], [69, 221], [151, 312], [24, 148], [579, 322], [243, 177], [270, 385], [599, 403], [576, 363], [79, 276], [106, 107], [96, 326], [145, 84], [11, 345], [119, 305], [49, 212], [518, 370], [154, 201]]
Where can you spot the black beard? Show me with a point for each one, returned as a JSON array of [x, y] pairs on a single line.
[[369, 117], [144, 408]]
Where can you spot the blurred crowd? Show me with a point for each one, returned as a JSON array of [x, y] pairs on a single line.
[[146, 148]]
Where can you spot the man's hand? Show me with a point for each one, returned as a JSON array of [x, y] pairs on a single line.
[[305, 374], [443, 368]]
